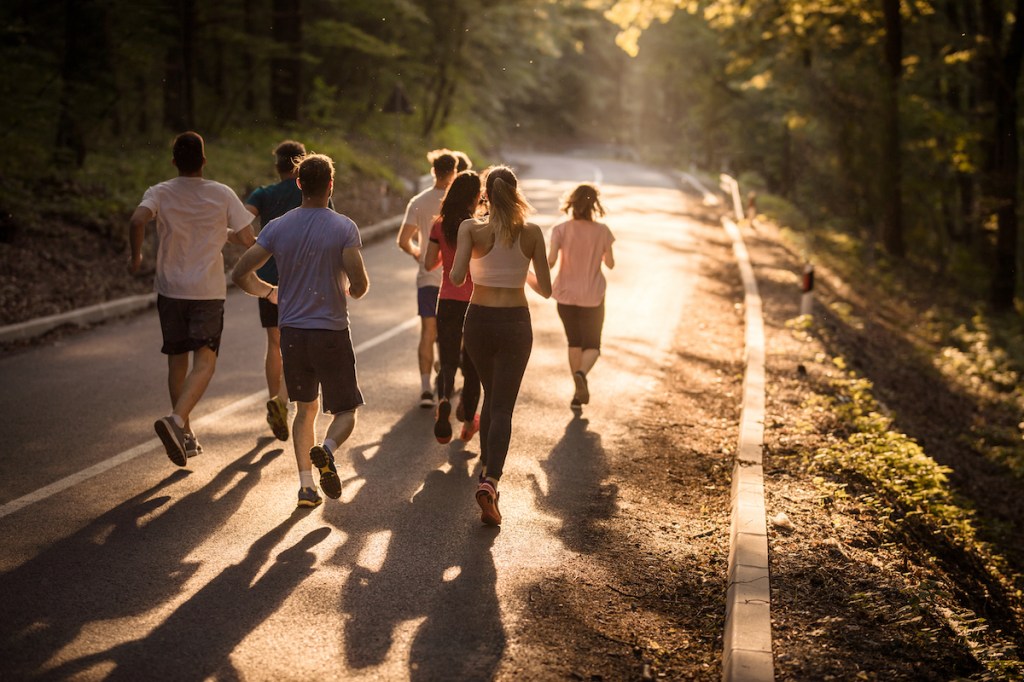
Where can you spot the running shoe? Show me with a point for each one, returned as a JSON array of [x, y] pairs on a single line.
[[426, 399], [443, 425], [277, 417], [173, 439], [324, 461], [576, 405], [469, 429], [582, 390], [192, 446], [309, 498], [487, 498]]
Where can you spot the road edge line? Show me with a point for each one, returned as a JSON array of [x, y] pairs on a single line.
[[258, 397], [747, 642]]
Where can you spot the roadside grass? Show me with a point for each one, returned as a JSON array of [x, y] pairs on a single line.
[[867, 459], [970, 557], [100, 195]]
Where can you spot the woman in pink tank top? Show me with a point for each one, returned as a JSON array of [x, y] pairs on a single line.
[[498, 334], [579, 287]]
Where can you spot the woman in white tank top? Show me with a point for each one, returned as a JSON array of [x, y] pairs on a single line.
[[498, 334]]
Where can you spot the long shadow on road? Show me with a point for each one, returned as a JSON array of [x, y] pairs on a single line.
[[117, 566], [577, 493], [437, 564]]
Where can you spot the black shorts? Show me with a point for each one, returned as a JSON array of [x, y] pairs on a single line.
[[189, 325], [582, 324], [268, 313], [321, 360]]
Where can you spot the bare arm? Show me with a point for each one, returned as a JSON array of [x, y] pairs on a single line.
[[136, 232], [463, 252], [244, 274], [540, 264], [246, 237], [405, 240], [355, 268], [609, 257], [433, 257]]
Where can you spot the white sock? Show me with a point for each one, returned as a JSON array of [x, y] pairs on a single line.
[[330, 445], [306, 479], [425, 381], [178, 420]]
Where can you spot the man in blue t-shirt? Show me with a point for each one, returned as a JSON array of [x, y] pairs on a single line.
[[316, 250], [266, 203]]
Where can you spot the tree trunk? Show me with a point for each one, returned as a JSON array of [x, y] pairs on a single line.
[[1004, 162], [286, 66], [86, 78], [179, 70], [892, 175]]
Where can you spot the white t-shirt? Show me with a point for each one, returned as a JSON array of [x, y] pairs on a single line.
[[421, 212], [193, 218]]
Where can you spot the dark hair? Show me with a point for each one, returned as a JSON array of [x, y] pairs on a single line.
[[443, 162], [583, 202], [459, 203], [289, 154], [508, 206], [315, 174], [462, 161], [188, 152]]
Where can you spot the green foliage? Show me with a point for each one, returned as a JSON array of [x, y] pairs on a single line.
[[892, 474]]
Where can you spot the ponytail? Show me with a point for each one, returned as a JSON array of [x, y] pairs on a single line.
[[509, 207]]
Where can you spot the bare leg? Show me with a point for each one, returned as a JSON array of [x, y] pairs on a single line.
[[304, 432], [341, 427], [575, 356], [186, 392], [587, 359], [272, 364], [428, 336]]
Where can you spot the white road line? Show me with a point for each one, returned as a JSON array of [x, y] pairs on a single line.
[[142, 448]]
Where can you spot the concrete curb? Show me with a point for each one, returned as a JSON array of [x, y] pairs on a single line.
[[747, 646], [100, 312]]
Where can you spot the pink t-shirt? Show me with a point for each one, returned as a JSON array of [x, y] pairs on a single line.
[[580, 280], [448, 290]]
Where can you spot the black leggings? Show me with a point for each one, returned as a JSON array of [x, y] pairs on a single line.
[[451, 315], [499, 341]]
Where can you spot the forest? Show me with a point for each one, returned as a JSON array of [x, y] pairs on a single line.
[[892, 122]]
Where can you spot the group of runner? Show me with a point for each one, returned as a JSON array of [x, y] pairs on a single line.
[[476, 253]]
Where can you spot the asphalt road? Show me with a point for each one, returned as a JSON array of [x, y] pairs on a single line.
[[136, 569]]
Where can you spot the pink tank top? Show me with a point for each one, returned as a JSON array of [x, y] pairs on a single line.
[[503, 266]]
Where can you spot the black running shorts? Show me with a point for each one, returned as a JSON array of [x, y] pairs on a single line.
[[321, 360], [190, 325]]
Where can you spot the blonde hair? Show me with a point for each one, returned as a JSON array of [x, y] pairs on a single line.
[[508, 207]]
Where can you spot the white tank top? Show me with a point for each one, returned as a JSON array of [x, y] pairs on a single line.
[[503, 266]]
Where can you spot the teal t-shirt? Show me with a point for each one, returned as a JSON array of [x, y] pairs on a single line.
[[273, 201]]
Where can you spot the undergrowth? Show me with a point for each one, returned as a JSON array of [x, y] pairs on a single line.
[[868, 459]]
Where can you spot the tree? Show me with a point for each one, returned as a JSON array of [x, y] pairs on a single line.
[[286, 64], [1002, 57]]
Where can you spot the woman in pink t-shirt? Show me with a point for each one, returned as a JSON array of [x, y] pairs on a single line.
[[580, 285], [459, 204]]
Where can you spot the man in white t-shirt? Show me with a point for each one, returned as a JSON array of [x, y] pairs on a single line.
[[413, 238], [195, 217]]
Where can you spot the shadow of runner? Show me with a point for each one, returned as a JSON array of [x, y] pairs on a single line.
[[576, 470], [434, 535], [114, 567], [208, 627]]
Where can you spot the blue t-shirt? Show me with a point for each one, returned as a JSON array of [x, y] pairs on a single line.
[[308, 244], [273, 201]]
